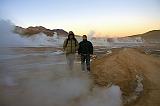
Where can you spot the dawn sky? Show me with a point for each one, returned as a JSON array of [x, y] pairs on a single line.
[[104, 17]]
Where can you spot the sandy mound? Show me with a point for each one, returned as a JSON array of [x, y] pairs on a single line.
[[121, 68]]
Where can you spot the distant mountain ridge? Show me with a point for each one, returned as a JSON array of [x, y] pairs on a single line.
[[150, 36], [39, 29]]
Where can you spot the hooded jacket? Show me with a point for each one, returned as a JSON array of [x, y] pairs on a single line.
[[70, 46]]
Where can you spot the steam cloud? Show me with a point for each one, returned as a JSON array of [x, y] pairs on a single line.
[[9, 39], [59, 88]]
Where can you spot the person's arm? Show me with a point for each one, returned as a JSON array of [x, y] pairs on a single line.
[[64, 44], [79, 49], [91, 48], [77, 45]]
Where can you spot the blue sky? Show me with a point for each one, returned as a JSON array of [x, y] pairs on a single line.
[[104, 17]]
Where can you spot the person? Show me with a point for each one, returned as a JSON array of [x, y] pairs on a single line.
[[85, 50], [70, 47]]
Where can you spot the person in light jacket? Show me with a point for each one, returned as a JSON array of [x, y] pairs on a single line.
[[70, 47]]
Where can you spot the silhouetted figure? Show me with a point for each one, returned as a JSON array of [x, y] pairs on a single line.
[[85, 50], [70, 47]]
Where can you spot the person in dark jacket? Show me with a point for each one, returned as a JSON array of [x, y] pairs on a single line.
[[85, 50]]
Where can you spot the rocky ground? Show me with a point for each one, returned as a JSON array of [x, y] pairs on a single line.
[[23, 71], [131, 69]]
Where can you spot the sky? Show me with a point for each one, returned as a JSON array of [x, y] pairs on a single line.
[[103, 17]]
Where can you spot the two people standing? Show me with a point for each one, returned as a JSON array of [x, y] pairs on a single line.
[[84, 48]]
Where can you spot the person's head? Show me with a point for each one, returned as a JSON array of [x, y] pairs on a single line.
[[70, 35], [84, 37]]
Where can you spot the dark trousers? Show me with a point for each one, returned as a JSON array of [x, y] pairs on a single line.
[[85, 61]]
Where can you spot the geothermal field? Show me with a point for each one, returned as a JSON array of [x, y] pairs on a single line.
[[33, 72]]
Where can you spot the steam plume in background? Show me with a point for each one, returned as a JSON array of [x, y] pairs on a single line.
[[9, 39]]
